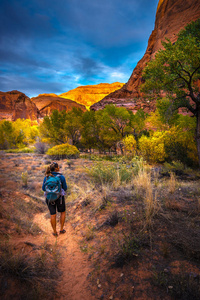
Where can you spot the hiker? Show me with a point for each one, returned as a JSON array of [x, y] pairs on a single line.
[[52, 174]]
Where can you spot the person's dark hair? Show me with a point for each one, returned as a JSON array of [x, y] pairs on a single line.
[[48, 172], [53, 166]]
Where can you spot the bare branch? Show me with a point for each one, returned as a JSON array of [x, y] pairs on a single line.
[[184, 69]]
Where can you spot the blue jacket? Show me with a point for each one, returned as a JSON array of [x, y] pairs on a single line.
[[62, 179]]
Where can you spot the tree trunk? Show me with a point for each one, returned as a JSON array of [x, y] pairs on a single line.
[[121, 148], [198, 134]]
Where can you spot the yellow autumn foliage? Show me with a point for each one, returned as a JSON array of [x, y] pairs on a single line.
[[173, 144], [130, 144], [152, 148]]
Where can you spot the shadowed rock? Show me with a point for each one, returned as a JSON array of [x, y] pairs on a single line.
[[15, 105], [46, 103]]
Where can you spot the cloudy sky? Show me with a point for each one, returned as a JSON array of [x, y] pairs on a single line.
[[52, 46]]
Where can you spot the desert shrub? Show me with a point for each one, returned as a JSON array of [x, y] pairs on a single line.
[[24, 178], [138, 164], [130, 144], [180, 145], [152, 148], [174, 166], [40, 147], [125, 173], [63, 151], [102, 173], [173, 144], [23, 214], [110, 173], [100, 157], [36, 275]]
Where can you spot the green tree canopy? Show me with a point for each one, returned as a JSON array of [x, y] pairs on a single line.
[[52, 128], [90, 131], [11, 136], [115, 123], [73, 125]]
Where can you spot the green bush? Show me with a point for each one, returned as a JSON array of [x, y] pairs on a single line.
[[102, 173], [138, 164], [125, 173], [63, 151], [170, 145], [21, 150], [110, 173], [180, 146]]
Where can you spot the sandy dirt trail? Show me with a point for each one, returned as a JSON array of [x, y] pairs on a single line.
[[73, 284]]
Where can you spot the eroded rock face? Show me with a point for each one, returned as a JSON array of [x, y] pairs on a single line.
[[171, 17], [15, 105], [90, 94], [46, 103]]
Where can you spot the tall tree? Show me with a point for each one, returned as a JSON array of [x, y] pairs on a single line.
[[176, 72], [52, 127], [115, 124], [9, 136], [90, 131], [73, 125]]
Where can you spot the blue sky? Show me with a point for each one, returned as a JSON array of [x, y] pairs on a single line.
[[53, 46]]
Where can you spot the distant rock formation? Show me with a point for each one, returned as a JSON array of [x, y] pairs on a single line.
[[90, 94], [46, 103], [171, 17], [15, 105]]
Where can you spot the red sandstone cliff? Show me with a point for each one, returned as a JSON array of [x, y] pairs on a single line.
[[171, 17], [46, 103], [15, 105]]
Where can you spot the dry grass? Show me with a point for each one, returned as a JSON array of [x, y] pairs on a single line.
[[141, 181], [138, 224], [144, 186], [36, 275], [172, 183]]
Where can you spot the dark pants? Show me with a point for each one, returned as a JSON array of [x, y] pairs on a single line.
[[59, 204]]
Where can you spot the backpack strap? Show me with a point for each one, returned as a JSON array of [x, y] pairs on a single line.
[[58, 175]]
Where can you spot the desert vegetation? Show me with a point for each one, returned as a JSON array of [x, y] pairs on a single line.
[[136, 224], [112, 131]]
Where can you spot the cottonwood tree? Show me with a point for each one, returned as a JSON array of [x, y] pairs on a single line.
[[73, 125], [176, 72], [52, 128], [10, 137], [115, 124], [90, 134]]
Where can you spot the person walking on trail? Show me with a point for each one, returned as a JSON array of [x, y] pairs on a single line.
[[52, 174]]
